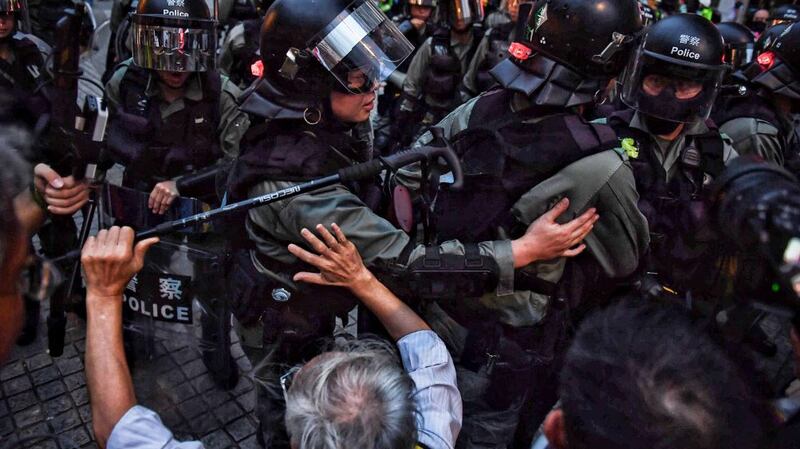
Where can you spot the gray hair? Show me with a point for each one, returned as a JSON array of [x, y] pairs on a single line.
[[357, 396]]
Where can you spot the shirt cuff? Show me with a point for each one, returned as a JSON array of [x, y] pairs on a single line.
[[422, 349], [141, 428]]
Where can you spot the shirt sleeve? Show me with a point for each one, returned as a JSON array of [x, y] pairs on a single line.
[[141, 428], [436, 396], [412, 86], [233, 123]]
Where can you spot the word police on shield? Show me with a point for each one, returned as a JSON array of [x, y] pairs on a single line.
[[162, 297]]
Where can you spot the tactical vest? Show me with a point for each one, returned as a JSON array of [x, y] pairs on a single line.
[[246, 56], [27, 72], [292, 151], [497, 52], [445, 72], [185, 142], [681, 243], [504, 157]]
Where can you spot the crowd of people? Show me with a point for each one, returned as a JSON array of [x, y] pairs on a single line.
[[558, 220]]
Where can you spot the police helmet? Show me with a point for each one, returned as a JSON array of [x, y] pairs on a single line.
[[310, 47], [739, 43], [784, 14], [767, 38], [174, 35], [779, 64], [676, 72], [428, 3], [19, 9], [587, 36], [466, 12]]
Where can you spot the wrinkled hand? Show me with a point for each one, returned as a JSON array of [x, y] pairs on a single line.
[[339, 262], [545, 239], [64, 196], [162, 196], [110, 260]]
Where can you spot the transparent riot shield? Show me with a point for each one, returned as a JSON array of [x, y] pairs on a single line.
[[176, 314]]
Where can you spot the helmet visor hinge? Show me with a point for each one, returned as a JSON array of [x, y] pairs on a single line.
[[618, 41], [290, 65]]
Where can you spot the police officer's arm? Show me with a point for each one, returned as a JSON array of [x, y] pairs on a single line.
[[233, 123], [233, 41], [753, 136], [112, 93], [415, 77], [470, 81], [379, 241]]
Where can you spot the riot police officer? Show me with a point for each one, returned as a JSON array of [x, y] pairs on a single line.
[[240, 58], [173, 115], [432, 86], [493, 48], [415, 21], [761, 121], [22, 70], [524, 146], [739, 44], [670, 85], [319, 82], [787, 13]]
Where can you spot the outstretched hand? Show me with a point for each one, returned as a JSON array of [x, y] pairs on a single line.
[[337, 259], [545, 239]]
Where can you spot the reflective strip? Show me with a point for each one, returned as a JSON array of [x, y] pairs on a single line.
[[346, 35]]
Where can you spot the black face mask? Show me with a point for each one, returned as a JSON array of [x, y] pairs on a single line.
[[757, 27], [667, 105]]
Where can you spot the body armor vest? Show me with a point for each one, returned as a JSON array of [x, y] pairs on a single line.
[[504, 157], [681, 243], [154, 150], [445, 72], [500, 39], [245, 57], [27, 72]]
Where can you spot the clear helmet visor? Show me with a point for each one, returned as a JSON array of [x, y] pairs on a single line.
[[670, 90], [466, 12], [190, 48], [361, 47]]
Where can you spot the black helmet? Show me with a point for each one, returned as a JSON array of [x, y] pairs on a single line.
[[174, 35], [784, 14], [739, 43], [19, 9], [767, 38], [569, 49], [675, 73], [429, 3], [310, 47], [779, 64], [467, 12]]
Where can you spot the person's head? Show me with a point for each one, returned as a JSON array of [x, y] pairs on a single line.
[[512, 8], [783, 14], [462, 14], [739, 43], [761, 15], [174, 36], [777, 68], [675, 74], [8, 22], [643, 376], [567, 50], [11, 12], [349, 107], [353, 397], [422, 9], [311, 49]]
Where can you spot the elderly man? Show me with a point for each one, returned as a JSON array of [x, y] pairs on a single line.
[[359, 398]]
